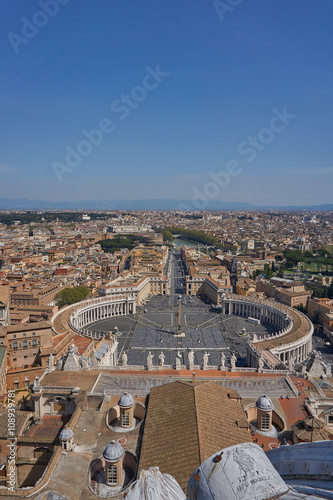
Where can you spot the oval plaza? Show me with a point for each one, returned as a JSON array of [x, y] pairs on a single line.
[[172, 329]]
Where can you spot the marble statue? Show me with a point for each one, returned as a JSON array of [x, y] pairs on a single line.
[[191, 359], [50, 361], [260, 363], [222, 361], [150, 360], [59, 363], [178, 360], [205, 360], [233, 361], [161, 359], [124, 359], [291, 363]]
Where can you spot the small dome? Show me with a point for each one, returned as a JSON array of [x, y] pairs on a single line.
[[265, 403], [113, 452], [66, 433], [126, 400]]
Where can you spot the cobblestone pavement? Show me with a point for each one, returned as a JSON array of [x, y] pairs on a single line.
[[153, 329]]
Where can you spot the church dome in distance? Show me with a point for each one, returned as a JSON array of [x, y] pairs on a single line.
[[113, 452], [265, 403], [126, 400]]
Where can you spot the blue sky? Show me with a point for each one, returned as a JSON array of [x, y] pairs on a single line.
[[223, 74]]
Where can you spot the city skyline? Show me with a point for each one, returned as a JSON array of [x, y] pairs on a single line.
[[198, 102]]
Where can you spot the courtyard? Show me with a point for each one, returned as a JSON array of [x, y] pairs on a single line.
[[206, 329]]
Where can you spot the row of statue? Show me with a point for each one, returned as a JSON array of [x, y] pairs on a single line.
[[180, 363], [73, 355]]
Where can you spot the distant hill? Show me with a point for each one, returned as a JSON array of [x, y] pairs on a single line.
[[162, 204]]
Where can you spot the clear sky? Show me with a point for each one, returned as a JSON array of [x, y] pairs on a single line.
[[228, 100]]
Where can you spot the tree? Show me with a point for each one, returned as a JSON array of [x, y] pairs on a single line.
[[323, 252], [197, 236], [267, 271], [315, 318], [301, 308], [167, 235], [69, 296], [330, 291], [256, 273], [118, 242]]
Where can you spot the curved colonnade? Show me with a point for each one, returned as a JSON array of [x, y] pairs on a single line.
[[90, 311], [79, 316], [294, 336]]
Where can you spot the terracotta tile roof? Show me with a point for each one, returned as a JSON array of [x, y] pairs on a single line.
[[56, 339], [221, 420], [49, 426], [82, 342], [85, 379], [4, 294], [40, 325], [187, 423]]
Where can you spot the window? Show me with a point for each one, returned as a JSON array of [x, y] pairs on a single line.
[[33, 333], [24, 335], [265, 419], [34, 342], [16, 386], [330, 419], [112, 474], [125, 418], [15, 345], [25, 343], [14, 336], [25, 357], [26, 384]]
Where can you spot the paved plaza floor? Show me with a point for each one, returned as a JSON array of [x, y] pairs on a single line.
[[154, 326]]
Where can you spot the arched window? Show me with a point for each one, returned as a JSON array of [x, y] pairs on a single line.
[[112, 474], [125, 418], [265, 419], [25, 343], [34, 343], [14, 344]]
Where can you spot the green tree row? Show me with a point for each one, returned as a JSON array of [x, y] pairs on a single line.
[[167, 235], [31, 217], [69, 296], [194, 235], [321, 293], [323, 258], [118, 242]]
